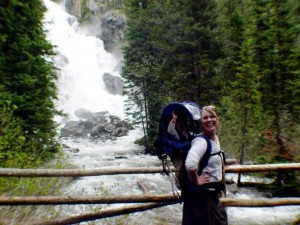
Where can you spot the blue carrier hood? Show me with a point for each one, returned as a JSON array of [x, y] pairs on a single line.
[[192, 111]]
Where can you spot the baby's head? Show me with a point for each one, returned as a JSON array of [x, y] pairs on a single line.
[[182, 122]]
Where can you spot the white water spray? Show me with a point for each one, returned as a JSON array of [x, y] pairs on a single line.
[[82, 61]]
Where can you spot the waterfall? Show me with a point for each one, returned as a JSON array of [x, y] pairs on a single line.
[[82, 61]]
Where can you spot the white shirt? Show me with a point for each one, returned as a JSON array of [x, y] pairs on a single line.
[[214, 166]]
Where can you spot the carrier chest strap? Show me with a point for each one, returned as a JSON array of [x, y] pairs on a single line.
[[221, 154]]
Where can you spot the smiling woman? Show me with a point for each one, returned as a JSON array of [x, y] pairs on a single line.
[[209, 122], [201, 196]]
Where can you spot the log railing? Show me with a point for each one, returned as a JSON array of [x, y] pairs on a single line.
[[71, 200], [10, 172], [58, 200], [154, 201]]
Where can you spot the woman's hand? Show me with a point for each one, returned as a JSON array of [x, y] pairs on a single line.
[[204, 178]]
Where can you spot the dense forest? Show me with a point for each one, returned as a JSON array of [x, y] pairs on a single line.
[[241, 56]]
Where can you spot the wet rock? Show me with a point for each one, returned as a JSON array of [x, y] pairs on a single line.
[[110, 128], [83, 113], [99, 126], [120, 157], [73, 129], [113, 25], [113, 84], [72, 150], [73, 7]]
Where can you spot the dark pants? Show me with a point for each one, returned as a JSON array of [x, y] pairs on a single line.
[[203, 208]]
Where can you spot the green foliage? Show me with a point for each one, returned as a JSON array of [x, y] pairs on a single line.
[[261, 49], [28, 80], [39, 186], [85, 12], [30, 187], [14, 148], [170, 46], [142, 81], [277, 58], [242, 56]]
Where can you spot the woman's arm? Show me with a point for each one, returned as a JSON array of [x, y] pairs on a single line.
[[199, 146]]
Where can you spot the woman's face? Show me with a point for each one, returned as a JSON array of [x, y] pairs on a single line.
[[209, 122]]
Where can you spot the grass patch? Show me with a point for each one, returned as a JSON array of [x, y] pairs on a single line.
[[28, 186]]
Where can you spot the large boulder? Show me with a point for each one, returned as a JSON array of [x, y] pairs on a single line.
[[113, 25], [83, 114], [73, 7], [105, 18], [113, 84], [74, 129], [96, 126]]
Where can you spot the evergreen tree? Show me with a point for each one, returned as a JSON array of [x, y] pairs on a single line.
[[243, 119], [231, 20], [27, 73], [195, 53], [141, 70], [278, 60], [178, 42]]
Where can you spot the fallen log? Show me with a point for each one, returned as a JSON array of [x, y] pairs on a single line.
[[104, 214], [143, 187], [61, 200], [12, 172]]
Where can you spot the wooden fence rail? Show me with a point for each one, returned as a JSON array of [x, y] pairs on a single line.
[[71, 200], [145, 202], [12, 172]]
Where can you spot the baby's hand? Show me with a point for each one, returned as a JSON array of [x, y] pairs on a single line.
[[174, 116]]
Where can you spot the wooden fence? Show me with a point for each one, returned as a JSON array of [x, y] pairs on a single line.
[[149, 201]]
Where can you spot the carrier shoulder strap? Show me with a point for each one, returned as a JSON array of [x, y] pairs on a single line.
[[208, 154], [204, 160]]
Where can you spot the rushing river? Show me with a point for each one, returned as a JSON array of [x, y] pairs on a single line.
[[82, 62]]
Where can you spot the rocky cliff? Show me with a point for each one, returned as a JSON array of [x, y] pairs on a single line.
[[105, 17]]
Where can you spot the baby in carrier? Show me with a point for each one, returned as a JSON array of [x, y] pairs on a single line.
[[179, 128]]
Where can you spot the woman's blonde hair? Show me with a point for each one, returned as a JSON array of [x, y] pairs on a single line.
[[211, 109]]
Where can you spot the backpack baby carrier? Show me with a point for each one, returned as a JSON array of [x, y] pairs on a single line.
[[168, 146]]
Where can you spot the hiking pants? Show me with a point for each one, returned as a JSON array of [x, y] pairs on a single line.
[[203, 208]]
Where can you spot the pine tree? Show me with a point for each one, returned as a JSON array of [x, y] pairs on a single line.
[[278, 60], [27, 73], [141, 70], [196, 52]]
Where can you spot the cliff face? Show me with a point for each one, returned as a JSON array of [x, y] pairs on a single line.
[[105, 17]]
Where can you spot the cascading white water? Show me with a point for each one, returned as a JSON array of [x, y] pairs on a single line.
[[82, 61]]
